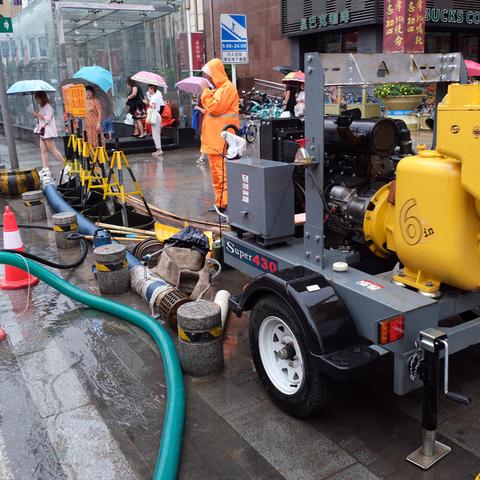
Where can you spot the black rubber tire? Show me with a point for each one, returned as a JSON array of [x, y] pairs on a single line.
[[316, 389]]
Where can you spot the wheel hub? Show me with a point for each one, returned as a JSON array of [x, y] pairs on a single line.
[[281, 355]]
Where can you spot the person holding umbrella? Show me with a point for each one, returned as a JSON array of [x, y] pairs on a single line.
[[46, 129], [155, 105], [221, 109]]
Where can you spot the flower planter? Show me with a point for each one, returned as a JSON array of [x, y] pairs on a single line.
[[402, 102]]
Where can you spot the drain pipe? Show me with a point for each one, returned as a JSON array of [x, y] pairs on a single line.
[[168, 458]]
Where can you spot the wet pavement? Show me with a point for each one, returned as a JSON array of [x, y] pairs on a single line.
[[82, 395]]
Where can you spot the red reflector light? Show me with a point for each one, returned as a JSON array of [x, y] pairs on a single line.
[[391, 329]]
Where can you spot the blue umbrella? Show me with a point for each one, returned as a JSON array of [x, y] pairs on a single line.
[[25, 87], [97, 75]]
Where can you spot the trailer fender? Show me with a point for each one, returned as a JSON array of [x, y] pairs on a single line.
[[323, 318]]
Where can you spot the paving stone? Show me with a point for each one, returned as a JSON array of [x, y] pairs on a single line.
[[85, 446], [293, 447], [354, 472], [52, 381]]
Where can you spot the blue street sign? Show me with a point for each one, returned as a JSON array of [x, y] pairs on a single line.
[[234, 38]]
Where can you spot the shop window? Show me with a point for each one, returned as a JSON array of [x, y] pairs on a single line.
[[330, 43], [350, 42], [469, 46], [438, 42]]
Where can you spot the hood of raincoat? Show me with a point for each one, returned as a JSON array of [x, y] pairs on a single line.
[[215, 69]]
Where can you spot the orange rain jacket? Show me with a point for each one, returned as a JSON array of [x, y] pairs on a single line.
[[221, 108]]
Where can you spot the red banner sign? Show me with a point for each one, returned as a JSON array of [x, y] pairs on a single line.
[[394, 26], [415, 27], [404, 26], [197, 50]]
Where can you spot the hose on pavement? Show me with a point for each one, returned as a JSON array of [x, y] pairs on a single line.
[[168, 458]]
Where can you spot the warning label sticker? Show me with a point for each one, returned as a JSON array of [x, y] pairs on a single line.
[[370, 285], [245, 189]]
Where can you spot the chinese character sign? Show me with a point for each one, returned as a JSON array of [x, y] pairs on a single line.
[[415, 26], [75, 100], [331, 19], [234, 38], [394, 26], [197, 50]]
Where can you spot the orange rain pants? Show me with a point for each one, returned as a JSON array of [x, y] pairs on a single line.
[[219, 179]]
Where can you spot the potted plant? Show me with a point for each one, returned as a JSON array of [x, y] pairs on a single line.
[[399, 96]]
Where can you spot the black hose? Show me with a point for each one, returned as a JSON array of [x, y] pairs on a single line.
[[26, 225], [48, 263]]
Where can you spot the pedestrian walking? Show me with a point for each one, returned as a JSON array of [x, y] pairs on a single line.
[[93, 119], [221, 109], [155, 105], [46, 129], [136, 107]]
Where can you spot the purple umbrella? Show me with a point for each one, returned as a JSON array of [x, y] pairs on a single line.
[[193, 85]]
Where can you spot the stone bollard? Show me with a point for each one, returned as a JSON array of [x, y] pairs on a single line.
[[64, 224], [35, 206], [200, 338], [112, 269]]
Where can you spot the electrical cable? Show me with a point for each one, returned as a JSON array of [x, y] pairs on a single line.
[[48, 263]]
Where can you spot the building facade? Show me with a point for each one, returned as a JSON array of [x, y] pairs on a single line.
[[267, 46], [281, 31], [356, 26]]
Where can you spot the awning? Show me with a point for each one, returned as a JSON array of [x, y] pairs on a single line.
[[83, 22]]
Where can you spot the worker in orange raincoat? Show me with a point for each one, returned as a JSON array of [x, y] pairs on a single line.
[[221, 109]]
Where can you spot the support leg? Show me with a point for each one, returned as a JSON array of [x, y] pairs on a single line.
[[431, 450]]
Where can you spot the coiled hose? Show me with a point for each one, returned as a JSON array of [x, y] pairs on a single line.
[[171, 443]]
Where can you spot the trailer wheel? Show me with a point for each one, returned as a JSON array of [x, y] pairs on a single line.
[[282, 361]]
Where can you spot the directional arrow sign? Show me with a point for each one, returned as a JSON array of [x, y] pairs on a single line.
[[6, 25]]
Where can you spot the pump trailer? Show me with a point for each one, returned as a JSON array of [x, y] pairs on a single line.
[[388, 251]]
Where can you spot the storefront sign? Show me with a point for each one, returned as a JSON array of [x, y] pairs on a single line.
[[75, 100], [444, 15], [415, 27], [394, 26], [404, 26], [316, 22]]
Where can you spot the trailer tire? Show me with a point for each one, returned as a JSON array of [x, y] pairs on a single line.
[[300, 392]]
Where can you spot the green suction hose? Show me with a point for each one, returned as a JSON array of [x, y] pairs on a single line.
[[171, 443]]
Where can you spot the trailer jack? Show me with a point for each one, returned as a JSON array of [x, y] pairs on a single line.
[[430, 343]]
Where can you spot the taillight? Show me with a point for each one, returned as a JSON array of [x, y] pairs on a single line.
[[391, 329]]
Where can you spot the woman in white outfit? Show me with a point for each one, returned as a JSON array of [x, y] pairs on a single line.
[[155, 102], [46, 129]]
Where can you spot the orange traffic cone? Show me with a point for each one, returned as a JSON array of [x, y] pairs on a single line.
[[14, 277]]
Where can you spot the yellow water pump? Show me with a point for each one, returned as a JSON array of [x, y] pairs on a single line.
[[430, 215]]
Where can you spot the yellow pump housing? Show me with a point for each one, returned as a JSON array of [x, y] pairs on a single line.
[[434, 225]]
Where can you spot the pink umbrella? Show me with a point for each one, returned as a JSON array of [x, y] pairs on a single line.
[[150, 78], [193, 85], [473, 68]]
